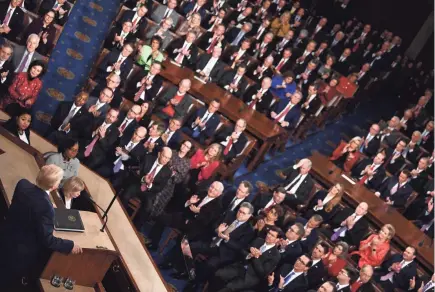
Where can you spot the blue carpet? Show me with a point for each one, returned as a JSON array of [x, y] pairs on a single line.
[[74, 55]]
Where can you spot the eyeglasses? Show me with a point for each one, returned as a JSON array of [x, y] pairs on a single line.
[[301, 261]]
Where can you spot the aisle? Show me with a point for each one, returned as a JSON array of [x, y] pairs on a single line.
[[74, 55]]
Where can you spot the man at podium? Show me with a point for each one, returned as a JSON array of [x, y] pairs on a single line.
[[26, 236]]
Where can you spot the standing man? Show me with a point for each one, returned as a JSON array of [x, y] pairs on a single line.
[[26, 237]]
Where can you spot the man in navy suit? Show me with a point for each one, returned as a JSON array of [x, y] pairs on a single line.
[[259, 97], [232, 139], [203, 123], [172, 136], [371, 142], [370, 172], [116, 61], [197, 7], [287, 112], [290, 247], [138, 20], [26, 237], [127, 122], [290, 278], [309, 239], [396, 190], [61, 7], [12, 19], [98, 106]]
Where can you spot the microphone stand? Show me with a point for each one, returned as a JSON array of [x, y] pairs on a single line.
[[104, 211], [105, 214]]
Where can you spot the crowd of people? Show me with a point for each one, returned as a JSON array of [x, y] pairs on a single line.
[[284, 60]]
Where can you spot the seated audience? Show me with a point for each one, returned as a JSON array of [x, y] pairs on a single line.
[[193, 24], [98, 106], [145, 86], [326, 203], [112, 82], [120, 35], [25, 88], [395, 191], [346, 155], [165, 12], [234, 82], [419, 174], [372, 251], [343, 280], [118, 62], [144, 118], [18, 125], [137, 19], [203, 123], [184, 50], [197, 6], [232, 198], [283, 44], [394, 160], [66, 159], [161, 31], [389, 133], [412, 151], [291, 277], [154, 142], [12, 19], [281, 25], [171, 136], [362, 283], [61, 7], [232, 139], [258, 97], [335, 260], [127, 123], [209, 40], [427, 136], [151, 54], [290, 247], [350, 225], [209, 67], [261, 71], [238, 17], [43, 27], [175, 102], [371, 142], [311, 236], [235, 35], [287, 112], [370, 172]]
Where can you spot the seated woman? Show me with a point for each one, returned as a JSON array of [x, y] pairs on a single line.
[[19, 125], [335, 259], [204, 164], [44, 27], [25, 88], [191, 25], [66, 159], [267, 220], [325, 203], [372, 251], [150, 54], [325, 70], [70, 194], [347, 154]]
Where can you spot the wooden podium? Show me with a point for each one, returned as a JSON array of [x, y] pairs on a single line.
[[86, 269]]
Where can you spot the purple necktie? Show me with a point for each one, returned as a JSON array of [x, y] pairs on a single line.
[[23, 62], [7, 16]]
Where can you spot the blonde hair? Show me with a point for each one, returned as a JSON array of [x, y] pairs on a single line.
[[357, 140], [391, 230], [336, 199], [49, 176], [73, 184], [218, 154]]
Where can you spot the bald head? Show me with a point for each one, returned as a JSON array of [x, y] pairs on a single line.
[[184, 86], [165, 155], [215, 189]]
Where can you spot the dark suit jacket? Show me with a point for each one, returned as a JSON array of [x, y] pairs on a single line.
[[262, 106], [174, 142], [308, 243], [259, 269], [111, 59], [180, 109], [428, 144], [159, 144], [257, 77], [299, 43], [233, 17], [402, 194], [110, 42], [313, 107], [342, 67], [237, 147], [261, 201], [129, 130], [228, 77], [82, 202], [92, 100], [316, 275], [210, 125], [292, 117], [141, 25], [337, 49], [227, 55], [216, 72], [359, 230], [401, 280], [345, 289], [15, 22], [395, 167], [7, 66], [287, 65], [26, 237], [321, 195], [189, 7], [227, 199], [151, 93], [377, 178], [419, 182], [136, 154], [160, 180], [291, 253], [232, 34], [305, 187], [103, 146], [298, 284], [255, 50], [205, 40], [47, 5], [81, 120], [178, 44], [372, 147]]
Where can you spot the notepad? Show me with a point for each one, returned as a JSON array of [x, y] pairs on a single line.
[[348, 179], [175, 63]]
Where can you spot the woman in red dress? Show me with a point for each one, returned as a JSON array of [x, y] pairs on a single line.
[[335, 259], [347, 154], [25, 88]]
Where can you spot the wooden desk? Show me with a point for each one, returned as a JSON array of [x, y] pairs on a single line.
[[407, 234], [231, 107]]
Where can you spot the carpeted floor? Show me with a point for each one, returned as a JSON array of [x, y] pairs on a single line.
[[74, 55], [354, 124]]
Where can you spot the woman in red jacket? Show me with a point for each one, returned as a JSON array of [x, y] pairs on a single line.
[[346, 154], [203, 164], [335, 259]]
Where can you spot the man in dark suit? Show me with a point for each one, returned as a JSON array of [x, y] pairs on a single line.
[[399, 270], [6, 66], [259, 30], [27, 239], [318, 30], [350, 225], [290, 278], [102, 136], [390, 131], [279, 8], [342, 65], [199, 215], [290, 247], [233, 198], [370, 172], [145, 86], [183, 50], [281, 44], [259, 97], [127, 122], [237, 55], [232, 139], [260, 260], [396, 190], [371, 142], [203, 123], [424, 283], [287, 112], [394, 160], [312, 102], [301, 41], [363, 76], [343, 280], [195, 7], [61, 7], [120, 35], [237, 17], [235, 35], [263, 70], [153, 175], [261, 50], [171, 137], [23, 56], [98, 106], [116, 61], [12, 19], [362, 282], [112, 82], [283, 63], [427, 136], [419, 175], [361, 38], [234, 81], [336, 43], [264, 201], [311, 236], [137, 19], [166, 11], [175, 102], [412, 151], [209, 67], [153, 141], [317, 273], [306, 76], [69, 119], [210, 40], [298, 184], [232, 235]]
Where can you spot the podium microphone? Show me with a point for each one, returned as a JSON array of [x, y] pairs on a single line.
[[105, 216]]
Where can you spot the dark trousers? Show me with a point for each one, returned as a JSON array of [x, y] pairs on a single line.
[[189, 131], [146, 198], [173, 220], [232, 278]]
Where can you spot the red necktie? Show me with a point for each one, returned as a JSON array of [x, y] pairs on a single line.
[[227, 148], [254, 102], [180, 56], [151, 175], [91, 145], [122, 128], [365, 177], [283, 113], [355, 286], [140, 91], [280, 64]]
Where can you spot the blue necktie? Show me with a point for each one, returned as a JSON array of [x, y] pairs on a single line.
[[288, 278]]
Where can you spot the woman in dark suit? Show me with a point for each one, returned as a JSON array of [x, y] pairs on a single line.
[[19, 125], [44, 28], [325, 203], [74, 196]]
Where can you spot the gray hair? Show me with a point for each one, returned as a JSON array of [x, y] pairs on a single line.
[[248, 206], [303, 32]]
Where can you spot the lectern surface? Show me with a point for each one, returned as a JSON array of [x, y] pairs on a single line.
[[47, 287]]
